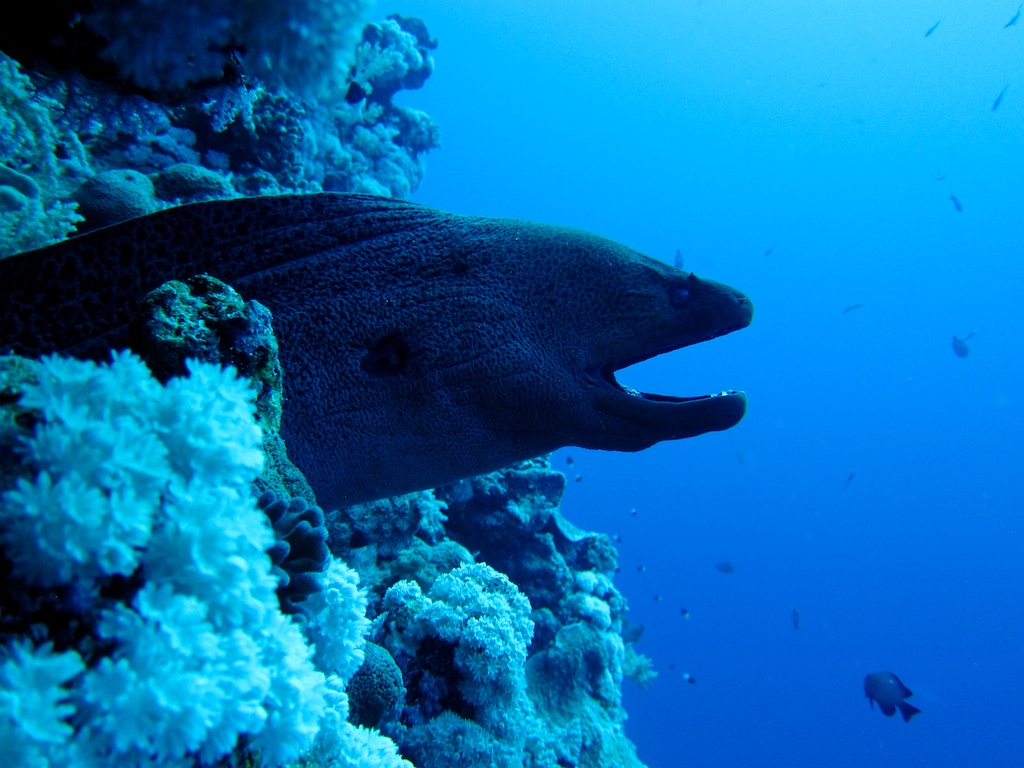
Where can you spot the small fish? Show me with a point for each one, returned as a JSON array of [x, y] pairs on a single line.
[[957, 204], [684, 613], [725, 567], [678, 262], [769, 249], [852, 307], [355, 93], [689, 678], [960, 348], [999, 98], [849, 479], [641, 568], [1016, 17], [578, 478], [889, 692], [795, 616], [657, 598], [932, 28], [940, 176], [569, 460], [632, 512]]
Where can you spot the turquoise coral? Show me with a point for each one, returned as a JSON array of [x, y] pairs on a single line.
[[40, 164], [139, 495], [468, 636]]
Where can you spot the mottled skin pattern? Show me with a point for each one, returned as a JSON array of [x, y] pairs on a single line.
[[418, 346]]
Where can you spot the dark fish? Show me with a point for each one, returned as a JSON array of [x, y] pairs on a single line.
[[689, 678], [678, 262], [849, 479], [726, 567], [769, 249], [960, 348], [1016, 17], [632, 512], [852, 307], [657, 598], [684, 613], [932, 28], [999, 98], [355, 93], [641, 568], [889, 692], [957, 204], [578, 478], [795, 615], [569, 460]]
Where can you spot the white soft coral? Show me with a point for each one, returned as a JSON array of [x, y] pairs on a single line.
[[128, 477]]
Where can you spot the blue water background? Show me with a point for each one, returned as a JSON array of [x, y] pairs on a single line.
[[804, 152]]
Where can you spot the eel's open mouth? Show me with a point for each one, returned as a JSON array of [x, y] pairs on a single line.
[[633, 419], [607, 372], [654, 417], [608, 376]]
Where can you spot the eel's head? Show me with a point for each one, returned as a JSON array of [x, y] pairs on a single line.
[[659, 309]]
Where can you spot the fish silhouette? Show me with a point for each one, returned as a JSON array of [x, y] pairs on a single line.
[[1016, 17], [960, 348], [999, 98], [890, 693]]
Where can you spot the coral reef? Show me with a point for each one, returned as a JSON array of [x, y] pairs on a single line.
[[40, 166], [462, 647], [190, 183], [138, 616], [84, 152], [376, 688], [167, 595], [135, 497], [114, 195], [504, 622], [510, 668], [206, 319], [299, 555]]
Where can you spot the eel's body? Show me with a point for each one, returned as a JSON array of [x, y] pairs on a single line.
[[418, 346]]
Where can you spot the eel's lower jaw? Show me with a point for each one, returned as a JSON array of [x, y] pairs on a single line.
[[691, 415]]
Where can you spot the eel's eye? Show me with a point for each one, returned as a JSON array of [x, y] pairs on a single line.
[[387, 357]]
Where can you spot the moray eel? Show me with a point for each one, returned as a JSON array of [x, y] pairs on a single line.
[[418, 346]]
